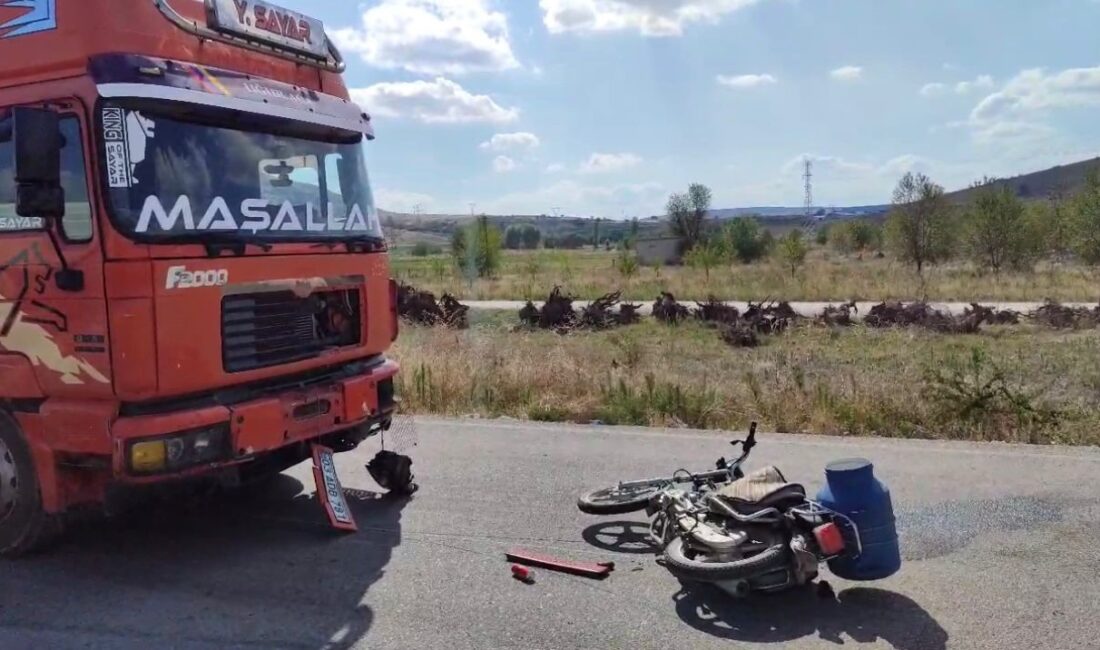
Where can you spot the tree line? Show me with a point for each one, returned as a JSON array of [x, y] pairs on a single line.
[[995, 230]]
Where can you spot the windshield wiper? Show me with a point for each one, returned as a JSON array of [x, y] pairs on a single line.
[[236, 247], [364, 244]]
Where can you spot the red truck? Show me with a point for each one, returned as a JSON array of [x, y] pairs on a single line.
[[193, 278]]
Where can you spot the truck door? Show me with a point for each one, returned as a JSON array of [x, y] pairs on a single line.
[[53, 321]]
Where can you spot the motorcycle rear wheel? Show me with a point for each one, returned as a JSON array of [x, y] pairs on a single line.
[[616, 500], [688, 568]]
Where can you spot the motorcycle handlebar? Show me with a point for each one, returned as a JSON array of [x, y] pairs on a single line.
[[746, 445]]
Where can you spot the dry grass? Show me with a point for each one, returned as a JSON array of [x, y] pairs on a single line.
[[849, 382], [827, 276]]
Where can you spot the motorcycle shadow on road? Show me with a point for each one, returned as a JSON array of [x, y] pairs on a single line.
[[621, 537], [259, 567], [862, 614]]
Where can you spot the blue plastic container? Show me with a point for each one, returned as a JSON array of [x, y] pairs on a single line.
[[853, 490]]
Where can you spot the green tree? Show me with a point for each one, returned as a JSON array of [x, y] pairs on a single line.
[[792, 250], [706, 255], [458, 246], [1053, 219], [687, 213], [919, 228], [821, 235], [1086, 218], [596, 233], [626, 263], [531, 237], [855, 236], [477, 248], [996, 230], [745, 240], [513, 237]]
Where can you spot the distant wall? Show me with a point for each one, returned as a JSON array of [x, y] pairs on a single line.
[[658, 251]]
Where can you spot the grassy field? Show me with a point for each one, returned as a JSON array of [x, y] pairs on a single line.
[[1019, 384], [826, 276]]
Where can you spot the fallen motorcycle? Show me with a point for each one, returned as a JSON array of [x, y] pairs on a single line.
[[757, 531]]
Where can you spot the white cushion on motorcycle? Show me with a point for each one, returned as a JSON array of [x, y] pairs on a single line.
[[765, 487]]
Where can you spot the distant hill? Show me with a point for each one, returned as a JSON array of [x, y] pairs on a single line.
[[1064, 179], [436, 228]]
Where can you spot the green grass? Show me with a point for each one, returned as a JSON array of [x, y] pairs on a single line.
[[1029, 385], [826, 276]]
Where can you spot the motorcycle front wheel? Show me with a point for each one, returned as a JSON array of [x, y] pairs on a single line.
[[685, 564], [616, 500]]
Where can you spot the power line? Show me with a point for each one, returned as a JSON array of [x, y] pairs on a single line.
[[810, 224]]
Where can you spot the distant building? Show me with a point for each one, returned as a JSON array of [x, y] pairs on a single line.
[[659, 250]]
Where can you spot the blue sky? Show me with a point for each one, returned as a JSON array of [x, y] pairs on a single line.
[[604, 107]]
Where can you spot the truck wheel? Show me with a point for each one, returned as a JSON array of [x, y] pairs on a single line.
[[24, 525]]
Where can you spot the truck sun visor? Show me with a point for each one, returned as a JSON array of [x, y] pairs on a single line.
[[128, 75]]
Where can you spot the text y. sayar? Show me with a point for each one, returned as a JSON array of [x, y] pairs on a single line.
[[275, 21]]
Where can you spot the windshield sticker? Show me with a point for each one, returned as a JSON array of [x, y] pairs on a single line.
[[114, 138], [126, 136], [252, 215]]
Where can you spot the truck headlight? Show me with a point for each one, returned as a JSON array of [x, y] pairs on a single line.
[[180, 451]]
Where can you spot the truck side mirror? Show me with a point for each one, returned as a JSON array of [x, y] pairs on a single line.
[[37, 136]]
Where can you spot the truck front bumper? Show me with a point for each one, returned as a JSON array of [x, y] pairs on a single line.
[[152, 448]]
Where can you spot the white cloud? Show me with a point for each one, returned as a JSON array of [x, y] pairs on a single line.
[[521, 141], [441, 101], [602, 163], [746, 80], [431, 37], [982, 81], [1014, 118], [401, 201], [847, 73], [1010, 132], [647, 17], [555, 168], [1034, 91], [504, 164], [933, 89], [580, 199]]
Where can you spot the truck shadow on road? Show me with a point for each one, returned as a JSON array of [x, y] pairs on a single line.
[[260, 568], [862, 614]]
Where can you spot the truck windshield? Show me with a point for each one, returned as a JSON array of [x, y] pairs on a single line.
[[169, 178]]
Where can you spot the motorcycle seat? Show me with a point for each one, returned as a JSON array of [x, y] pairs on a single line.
[[761, 489]]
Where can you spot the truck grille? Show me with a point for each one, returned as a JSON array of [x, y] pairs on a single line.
[[260, 330]]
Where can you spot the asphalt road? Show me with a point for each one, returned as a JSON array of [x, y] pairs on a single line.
[[1000, 545]]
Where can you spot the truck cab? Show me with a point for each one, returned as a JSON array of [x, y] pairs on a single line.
[[193, 279]]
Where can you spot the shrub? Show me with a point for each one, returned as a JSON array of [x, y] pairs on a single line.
[[626, 263], [792, 250], [978, 392], [997, 231], [476, 248], [424, 249], [745, 240]]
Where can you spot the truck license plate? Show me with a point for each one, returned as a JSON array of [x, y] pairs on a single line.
[[329, 491]]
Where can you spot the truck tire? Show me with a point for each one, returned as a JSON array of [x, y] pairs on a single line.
[[24, 525]]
